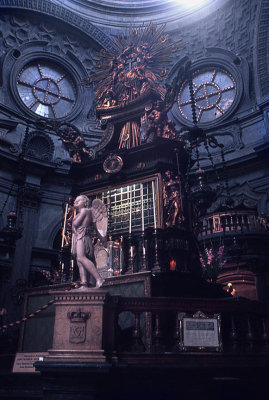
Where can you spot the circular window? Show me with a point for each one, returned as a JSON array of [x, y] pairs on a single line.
[[46, 89], [214, 94]]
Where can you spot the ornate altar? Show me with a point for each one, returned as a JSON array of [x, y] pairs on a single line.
[[138, 169]]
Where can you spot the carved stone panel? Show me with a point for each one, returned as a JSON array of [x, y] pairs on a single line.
[[78, 328]]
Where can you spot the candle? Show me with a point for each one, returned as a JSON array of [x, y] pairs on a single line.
[[173, 265], [63, 231], [142, 206], [130, 215], [154, 205]]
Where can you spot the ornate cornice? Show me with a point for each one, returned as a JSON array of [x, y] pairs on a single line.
[[57, 11], [93, 295]]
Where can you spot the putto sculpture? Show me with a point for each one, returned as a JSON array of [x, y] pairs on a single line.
[[88, 222]]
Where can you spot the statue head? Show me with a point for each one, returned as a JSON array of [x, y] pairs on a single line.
[[85, 199], [168, 174]]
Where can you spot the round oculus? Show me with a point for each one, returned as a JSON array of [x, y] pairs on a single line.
[[214, 92], [46, 89]]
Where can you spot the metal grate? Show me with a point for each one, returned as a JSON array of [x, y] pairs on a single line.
[[124, 204]]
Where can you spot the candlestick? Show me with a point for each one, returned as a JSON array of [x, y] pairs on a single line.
[[130, 267], [121, 255], [142, 207], [130, 215], [71, 271], [62, 272], [154, 205], [72, 243], [156, 262], [143, 258]]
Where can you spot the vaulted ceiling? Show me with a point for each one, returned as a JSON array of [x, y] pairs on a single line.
[[120, 13]]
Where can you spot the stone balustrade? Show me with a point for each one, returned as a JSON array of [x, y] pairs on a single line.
[[241, 221], [155, 325]]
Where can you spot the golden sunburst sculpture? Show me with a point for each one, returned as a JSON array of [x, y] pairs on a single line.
[[132, 72]]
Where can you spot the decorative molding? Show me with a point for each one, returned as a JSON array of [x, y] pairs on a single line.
[[262, 48], [14, 148], [245, 196], [53, 10], [230, 137], [7, 124], [91, 295], [3, 133], [119, 14], [31, 195], [39, 145], [107, 136], [231, 25]]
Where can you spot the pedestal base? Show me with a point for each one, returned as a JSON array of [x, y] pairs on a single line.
[[78, 327], [76, 356]]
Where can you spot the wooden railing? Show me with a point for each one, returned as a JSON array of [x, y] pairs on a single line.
[[154, 324], [233, 222]]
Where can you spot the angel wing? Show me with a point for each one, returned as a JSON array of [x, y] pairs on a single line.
[[99, 212]]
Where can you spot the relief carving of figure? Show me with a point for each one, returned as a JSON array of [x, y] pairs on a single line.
[[87, 222]]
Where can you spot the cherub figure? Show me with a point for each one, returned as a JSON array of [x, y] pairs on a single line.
[[74, 142], [86, 221]]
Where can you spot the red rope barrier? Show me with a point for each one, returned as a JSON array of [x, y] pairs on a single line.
[[25, 318], [32, 315]]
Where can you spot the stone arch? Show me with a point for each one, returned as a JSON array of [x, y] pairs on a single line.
[[54, 232]]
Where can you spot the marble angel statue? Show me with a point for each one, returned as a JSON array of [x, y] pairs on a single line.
[[87, 222]]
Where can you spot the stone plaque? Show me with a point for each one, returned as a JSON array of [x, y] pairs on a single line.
[[201, 332], [24, 362]]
